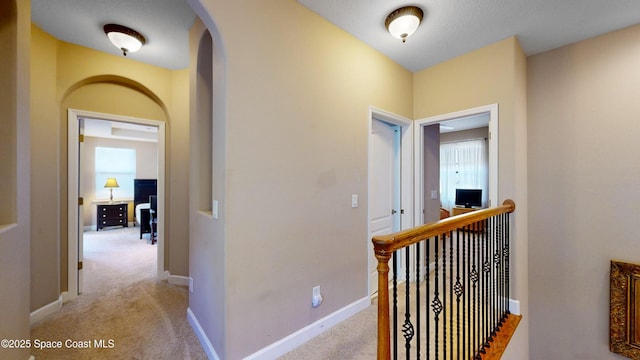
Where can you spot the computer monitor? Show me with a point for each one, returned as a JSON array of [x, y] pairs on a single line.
[[469, 197]]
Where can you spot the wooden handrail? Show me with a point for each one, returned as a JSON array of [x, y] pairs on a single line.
[[385, 245], [392, 242]]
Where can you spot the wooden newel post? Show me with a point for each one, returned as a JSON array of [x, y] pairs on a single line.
[[384, 344]]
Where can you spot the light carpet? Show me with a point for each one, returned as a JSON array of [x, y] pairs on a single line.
[[123, 307]]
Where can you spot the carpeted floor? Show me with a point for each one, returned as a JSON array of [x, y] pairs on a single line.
[[124, 312]]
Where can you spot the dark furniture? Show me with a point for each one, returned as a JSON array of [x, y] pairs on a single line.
[[112, 215], [145, 219], [153, 222], [142, 189]]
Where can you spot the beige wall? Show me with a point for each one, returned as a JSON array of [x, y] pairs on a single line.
[[71, 76], [15, 18], [45, 134], [493, 74], [146, 168], [583, 176], [297, 107]]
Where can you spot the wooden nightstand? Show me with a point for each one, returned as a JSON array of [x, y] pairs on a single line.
[[112, 215]]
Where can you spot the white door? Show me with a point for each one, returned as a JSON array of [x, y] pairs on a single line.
[[384, 180]]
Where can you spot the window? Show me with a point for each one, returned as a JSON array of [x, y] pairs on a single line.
[[463, 165], [118, 163]]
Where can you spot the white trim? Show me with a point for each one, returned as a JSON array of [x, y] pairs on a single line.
[[309, 332], [492, 109], [514, 307], [6, 227], [72, 161], [177, 279], [204, 340], [40, 314], [66, 297], [406, 185]]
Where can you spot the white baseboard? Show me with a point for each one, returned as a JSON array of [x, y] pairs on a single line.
[[514, 306], [178, 280], [38, 315], [307, 333], [204, 340]]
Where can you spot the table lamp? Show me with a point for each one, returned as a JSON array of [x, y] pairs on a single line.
[[111, 183]]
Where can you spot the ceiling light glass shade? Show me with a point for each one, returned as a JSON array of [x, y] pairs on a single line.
[[124, 38], [403, 22]]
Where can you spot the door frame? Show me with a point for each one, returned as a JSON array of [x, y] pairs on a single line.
[[492, 110], [406, 176], [73, 116]]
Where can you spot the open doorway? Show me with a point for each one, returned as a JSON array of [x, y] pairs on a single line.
[[84, 179], [118, 166], [475, 123]]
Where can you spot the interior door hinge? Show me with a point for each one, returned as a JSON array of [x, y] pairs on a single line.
[[401, 211], [393, 211], [80, 201], [79, 265], [81, 138]]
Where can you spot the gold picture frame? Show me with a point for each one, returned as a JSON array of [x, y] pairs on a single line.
[[624, 312]]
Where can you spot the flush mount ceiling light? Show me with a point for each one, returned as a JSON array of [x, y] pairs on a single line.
[[404, 21], [124, 38]]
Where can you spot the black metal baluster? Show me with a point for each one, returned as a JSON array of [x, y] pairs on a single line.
[[507, 233], [450, 303], [486, 267], [500, 247], [465, 292], [473, 276], [505, 281], [476, 293], [395, 305], [427, 291], [436, 305], [444, 298], [505, 284], [458, 291], [497, 258], [418, 300], [407, 327], [498, 255]]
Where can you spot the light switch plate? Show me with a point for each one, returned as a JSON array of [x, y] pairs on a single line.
[[354, 201]]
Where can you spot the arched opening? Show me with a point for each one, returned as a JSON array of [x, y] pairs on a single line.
[[120, 94], [204, 118]]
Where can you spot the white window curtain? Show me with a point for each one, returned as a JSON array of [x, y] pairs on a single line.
[[463, 165]]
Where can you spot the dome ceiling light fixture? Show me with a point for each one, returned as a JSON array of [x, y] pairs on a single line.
[[124, 38], [403, 22]]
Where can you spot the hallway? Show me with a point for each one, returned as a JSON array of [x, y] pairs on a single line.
[[125, 311]]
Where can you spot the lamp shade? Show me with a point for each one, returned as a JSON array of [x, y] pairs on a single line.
[[403, 22], [111, 183], [124, 38]]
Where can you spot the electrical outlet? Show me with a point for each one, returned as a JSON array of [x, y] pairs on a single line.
[[316, 297], [190, 284]]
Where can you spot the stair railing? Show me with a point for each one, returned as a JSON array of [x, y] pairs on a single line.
[[463, 272]]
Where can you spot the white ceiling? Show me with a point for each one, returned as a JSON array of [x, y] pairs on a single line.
[[450, 27], [454, 27], [164, 23]]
